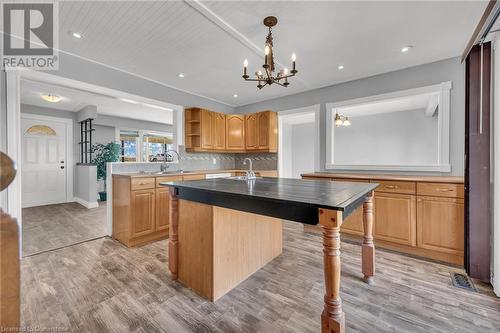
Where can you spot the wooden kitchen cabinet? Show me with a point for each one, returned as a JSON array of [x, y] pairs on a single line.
[[235, 132], [441, 224], [207, 131], [261, 132], [251, 139], [140, 209], [142, 206], [418, 215], [162, 208], [396, 218], [267, 125], [219, 131]]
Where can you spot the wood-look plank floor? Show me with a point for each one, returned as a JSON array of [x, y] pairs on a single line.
[[54, 226], [101, 286]]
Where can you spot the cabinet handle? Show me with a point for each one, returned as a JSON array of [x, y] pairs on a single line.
[[391, 186], [444, 190]]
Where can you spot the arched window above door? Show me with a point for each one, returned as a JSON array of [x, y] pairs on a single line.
[[41, 130]]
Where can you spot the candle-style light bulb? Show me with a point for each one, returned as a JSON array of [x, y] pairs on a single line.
[[285, 71], [245, 65], [266, 50], [294, 57]]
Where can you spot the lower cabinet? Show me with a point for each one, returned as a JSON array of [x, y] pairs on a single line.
[[162, 208], [422, 218], [142, 207], [441, 224], [353, 224], [395, 218]]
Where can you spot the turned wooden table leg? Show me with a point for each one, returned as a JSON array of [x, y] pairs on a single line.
[[332, 318], [173, 242], [368, 248]]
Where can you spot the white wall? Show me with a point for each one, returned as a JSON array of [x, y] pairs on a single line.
[[496, 165], [302, 156], [419, 76], [396, 138]]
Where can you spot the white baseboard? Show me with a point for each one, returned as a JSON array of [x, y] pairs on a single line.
[[86, 204]]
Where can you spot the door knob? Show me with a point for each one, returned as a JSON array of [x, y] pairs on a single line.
[[62, 166]]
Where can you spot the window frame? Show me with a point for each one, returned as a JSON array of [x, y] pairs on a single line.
[[443, 158]]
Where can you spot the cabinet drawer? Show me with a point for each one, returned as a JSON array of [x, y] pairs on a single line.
[[441, 190], [167, 179], [142, 183], [388, 186]]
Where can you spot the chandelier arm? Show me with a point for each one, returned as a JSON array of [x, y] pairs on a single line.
[[252, 80], [265, 84], [278, 83]]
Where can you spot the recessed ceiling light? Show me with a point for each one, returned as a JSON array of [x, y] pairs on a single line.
[[340, 67], [406, 48], [51, 98], [181, 75], [131, 101], [235, 95], [157, 107], [77, 35]]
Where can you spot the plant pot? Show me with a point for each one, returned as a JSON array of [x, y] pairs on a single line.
[[102, 196]]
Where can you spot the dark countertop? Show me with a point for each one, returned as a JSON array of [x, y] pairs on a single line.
[[291, 199]]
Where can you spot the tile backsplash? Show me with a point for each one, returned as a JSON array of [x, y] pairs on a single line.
[[205, 161], [260, 161]]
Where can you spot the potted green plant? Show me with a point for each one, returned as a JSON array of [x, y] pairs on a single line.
[[102, 154]]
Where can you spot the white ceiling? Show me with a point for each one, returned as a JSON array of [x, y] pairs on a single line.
[[74, 100], [209, 41]]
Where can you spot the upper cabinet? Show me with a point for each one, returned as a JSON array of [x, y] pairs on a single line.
[[212, 131], [220, 131], [251, 140], [267, 129], [235, 132]]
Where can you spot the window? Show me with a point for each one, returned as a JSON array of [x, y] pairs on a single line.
[[145, 146], [155, 145], [128, 141]]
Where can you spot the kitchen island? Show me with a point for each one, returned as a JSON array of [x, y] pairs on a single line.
[[223, 230]]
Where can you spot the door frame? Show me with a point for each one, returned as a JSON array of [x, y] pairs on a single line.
[[286, 114], [69, 149]]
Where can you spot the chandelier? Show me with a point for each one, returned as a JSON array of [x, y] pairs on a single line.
[[268, 77]]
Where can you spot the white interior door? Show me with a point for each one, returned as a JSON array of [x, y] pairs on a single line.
[[43, 162]]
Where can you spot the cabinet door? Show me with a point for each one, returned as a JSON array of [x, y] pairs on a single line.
[[263, 130], [251, 131], [440, 224], [143, 212], [207, 127], [220, 131], [162, 208], [235, 132], [395, 218]]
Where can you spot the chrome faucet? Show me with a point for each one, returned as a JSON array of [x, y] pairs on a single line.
[[250, 174], [164, 165]]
